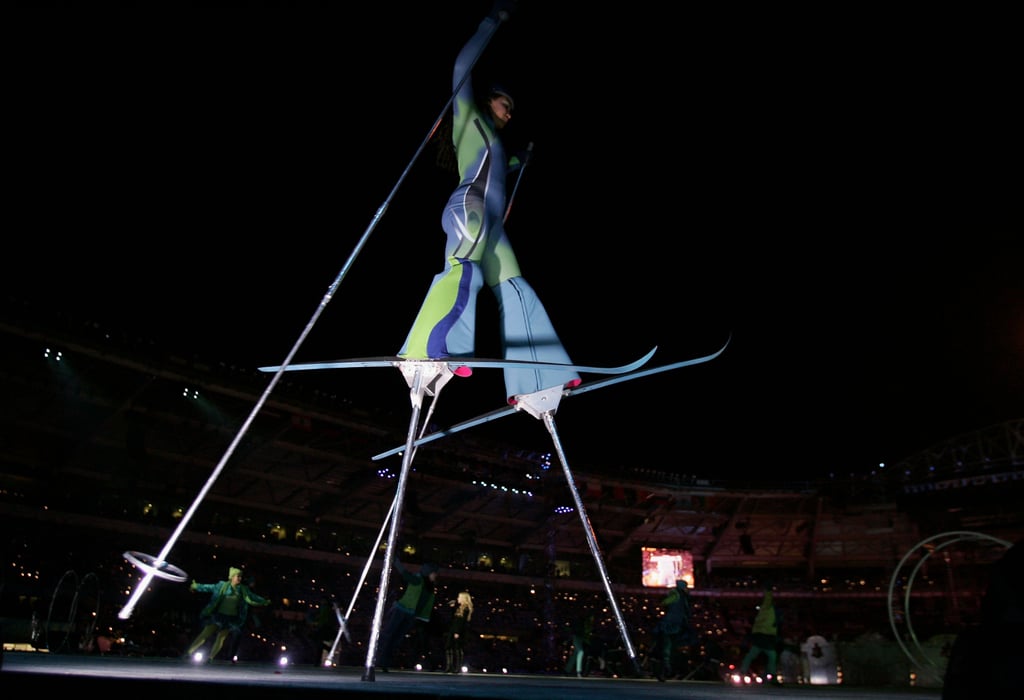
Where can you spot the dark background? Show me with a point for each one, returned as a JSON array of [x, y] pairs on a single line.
[[835, 191]]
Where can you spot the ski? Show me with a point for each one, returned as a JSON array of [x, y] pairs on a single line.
[[394, 361], [581, 389]]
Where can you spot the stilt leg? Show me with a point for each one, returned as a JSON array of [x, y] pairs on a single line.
[[423, 378], [549, 422]]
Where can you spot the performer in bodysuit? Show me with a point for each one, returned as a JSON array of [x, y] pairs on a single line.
[[477, 250]]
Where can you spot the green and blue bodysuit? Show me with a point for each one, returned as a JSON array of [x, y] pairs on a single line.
[[478, 252]]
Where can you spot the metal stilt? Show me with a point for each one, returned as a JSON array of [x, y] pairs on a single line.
[[543, 405], [424, 378], [432, 387]]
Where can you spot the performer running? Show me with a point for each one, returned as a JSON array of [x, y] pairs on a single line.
[[226, 612], [477, 250]]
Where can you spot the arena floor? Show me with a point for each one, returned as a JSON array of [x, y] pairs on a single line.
[[55, 675]]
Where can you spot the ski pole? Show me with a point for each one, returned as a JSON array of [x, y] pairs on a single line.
[[519, 176], [154, 566]]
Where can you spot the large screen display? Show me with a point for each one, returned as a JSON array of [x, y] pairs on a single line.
[[663, 566]]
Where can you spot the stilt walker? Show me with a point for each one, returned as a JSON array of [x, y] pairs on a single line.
[[439, 346], [478, 253]]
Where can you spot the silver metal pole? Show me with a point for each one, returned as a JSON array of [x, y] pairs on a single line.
[[160, 561], [588, 530]]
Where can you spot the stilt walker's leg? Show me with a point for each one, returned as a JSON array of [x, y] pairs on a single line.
[[549, 422], [332, 656], [423, 377]]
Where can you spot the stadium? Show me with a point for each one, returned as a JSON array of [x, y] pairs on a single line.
[[110, 441]]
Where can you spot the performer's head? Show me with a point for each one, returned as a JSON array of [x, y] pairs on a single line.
[[235, 575], [501, 104]]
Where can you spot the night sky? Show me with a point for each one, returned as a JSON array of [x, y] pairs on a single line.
[[834, 192]]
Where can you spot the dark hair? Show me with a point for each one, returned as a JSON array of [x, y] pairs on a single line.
[[444, 145], [443, 139], [497, 89]]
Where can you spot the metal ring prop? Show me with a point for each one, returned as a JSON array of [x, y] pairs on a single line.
[[149, 564]]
